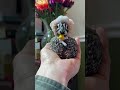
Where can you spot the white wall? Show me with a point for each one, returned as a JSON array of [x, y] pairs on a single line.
[[77, 13]]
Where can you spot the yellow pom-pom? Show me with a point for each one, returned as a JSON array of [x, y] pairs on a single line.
[[61, 37]]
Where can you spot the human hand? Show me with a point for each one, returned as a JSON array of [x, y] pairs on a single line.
[[24, 68], [60, 70], [100, 81], [25, 59]]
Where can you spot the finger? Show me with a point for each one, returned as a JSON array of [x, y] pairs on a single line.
[[78, 46], [47, 46], [105, 65], [29, 48], [48, 54], [103, 38]]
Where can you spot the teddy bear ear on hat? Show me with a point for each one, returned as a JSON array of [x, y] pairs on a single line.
[[70, 27], [53, 26], [71, 21]]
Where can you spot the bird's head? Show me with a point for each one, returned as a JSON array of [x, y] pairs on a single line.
[[61, 26], [61, 30]]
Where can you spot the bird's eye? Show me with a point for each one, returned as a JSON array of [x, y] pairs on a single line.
[[57, 26]]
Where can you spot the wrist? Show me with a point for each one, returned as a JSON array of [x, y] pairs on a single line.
[[56, 76]]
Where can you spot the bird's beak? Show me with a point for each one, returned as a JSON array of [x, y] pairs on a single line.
[[61, 37]]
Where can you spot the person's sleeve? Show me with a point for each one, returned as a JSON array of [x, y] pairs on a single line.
[[43, 83]]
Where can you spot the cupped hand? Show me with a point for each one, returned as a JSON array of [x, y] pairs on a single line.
[[100, 81], [60, 70]]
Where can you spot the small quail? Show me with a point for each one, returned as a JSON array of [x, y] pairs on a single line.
[[93, 52], [64, 45]]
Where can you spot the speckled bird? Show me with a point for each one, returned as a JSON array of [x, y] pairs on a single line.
[[93, 52], [64, 45]]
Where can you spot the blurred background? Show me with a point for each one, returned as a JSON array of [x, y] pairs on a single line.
[[16, 28], [105, 13]]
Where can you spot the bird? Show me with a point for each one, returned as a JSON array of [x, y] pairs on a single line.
[[93, 52], [62, 43]]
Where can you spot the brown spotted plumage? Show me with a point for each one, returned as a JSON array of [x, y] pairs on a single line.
[[65, 52], [62, 43], [93, 52]]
